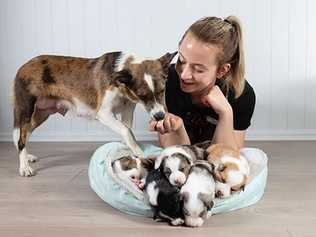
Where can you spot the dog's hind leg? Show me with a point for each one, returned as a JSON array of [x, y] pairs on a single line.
[[21, 132], [26, 119], [38, 117]]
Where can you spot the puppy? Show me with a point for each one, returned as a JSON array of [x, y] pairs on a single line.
[[198, 194], [164, 198], [98, 88], [132, 167], [175, 162], [231, 169]]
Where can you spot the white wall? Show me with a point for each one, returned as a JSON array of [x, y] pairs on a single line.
[[280, 42]]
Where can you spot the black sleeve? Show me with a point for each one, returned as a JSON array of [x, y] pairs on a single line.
[[175, 98], [243, 108]]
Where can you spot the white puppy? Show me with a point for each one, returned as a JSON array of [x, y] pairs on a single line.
[[198, 194]]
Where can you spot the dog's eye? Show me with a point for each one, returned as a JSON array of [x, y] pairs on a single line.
[[181, 169], [133, 177], [202, 214], [167, 173]]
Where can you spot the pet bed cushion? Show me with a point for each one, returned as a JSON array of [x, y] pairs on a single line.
[[131, 200]]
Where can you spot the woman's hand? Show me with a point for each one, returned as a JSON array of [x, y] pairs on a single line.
[[216, 99], [171, 123]]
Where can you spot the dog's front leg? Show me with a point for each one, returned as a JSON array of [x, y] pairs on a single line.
[[127, 114], [109, 119]]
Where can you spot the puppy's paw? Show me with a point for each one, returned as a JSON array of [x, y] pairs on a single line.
[[176, 222], [32, 158], [26, 171]]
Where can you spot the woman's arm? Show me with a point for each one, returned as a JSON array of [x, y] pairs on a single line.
[[225, 133]]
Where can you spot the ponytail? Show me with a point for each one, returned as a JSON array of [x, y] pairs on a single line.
[[238, 61]]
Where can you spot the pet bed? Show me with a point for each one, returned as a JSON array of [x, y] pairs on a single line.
[[129, 199]]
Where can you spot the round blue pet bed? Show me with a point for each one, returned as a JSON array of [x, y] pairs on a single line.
[[115, 194]]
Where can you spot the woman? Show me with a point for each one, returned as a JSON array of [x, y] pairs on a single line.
[[207, 95]]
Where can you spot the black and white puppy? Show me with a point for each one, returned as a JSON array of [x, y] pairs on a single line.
[[175, 162], [198, 194], [164, 198]]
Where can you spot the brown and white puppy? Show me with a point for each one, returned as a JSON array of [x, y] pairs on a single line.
[[175, 162], [135, 168], [98, 88], [231, 169], [198, 194]]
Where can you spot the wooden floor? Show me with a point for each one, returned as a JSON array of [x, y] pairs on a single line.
[[59, 202]]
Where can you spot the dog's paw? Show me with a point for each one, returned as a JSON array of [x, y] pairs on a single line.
[[176, 222], [26, 171], [32, 158]]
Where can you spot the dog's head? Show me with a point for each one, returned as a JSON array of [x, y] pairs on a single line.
[[175, 164], [143, 81], [197, 202], [129, 166], [134, 168]]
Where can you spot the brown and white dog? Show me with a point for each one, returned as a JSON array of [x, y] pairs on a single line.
[[98, 88], [231, 169]]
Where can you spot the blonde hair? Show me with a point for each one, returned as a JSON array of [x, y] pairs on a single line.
[[227, 35]]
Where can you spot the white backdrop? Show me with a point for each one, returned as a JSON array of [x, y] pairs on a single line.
[[280, 42]]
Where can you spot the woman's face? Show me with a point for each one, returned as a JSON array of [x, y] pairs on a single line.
[[196, 65]]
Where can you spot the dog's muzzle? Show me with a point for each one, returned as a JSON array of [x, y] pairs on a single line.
[[159, 116]]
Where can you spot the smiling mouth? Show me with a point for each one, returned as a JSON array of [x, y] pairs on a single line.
[[187, 83]]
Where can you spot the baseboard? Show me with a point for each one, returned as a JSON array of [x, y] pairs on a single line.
[[254, 135], [79, 137]]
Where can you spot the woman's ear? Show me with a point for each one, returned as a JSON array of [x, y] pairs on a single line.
[[223, 70]]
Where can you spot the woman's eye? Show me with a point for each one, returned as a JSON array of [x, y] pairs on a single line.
[[199, 71]]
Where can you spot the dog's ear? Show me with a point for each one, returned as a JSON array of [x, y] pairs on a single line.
[[201, 154], [165, 61], [158, 161], [204, 145], [184, 196], [207, 199], [209, 166], [124, 77], [149, 162]]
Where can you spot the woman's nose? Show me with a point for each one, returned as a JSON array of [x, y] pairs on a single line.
[[186, 73]]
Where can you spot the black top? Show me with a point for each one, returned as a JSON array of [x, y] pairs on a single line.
[[200, 122]]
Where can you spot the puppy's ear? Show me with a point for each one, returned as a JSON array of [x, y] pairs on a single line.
[[204, 145], [124, 77], [184, 196], [165, 61], [158, 161], [207, 199], [149, 162], [205, 164]]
